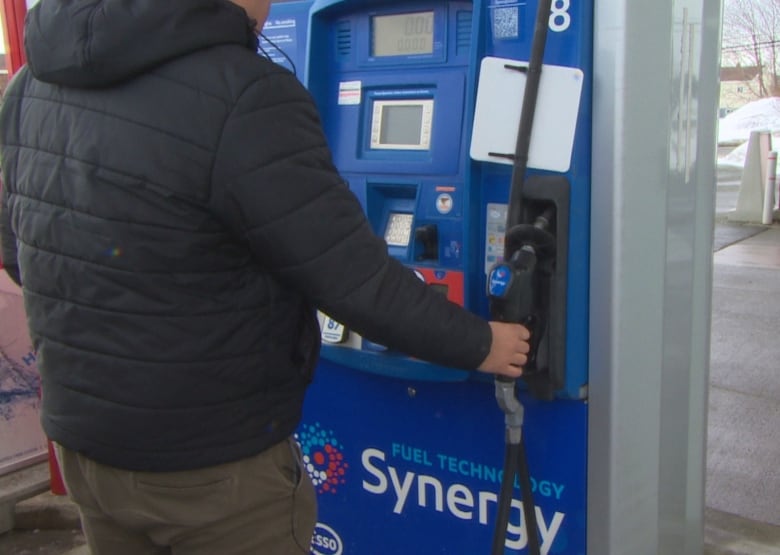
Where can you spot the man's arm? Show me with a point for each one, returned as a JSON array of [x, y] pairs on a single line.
[[276, 185]]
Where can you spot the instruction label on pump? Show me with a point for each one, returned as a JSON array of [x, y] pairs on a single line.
[[333, 331], [495, 231], [350, 92]]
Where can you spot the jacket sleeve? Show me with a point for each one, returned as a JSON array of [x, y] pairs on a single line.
[[276, 186], [8, 240]]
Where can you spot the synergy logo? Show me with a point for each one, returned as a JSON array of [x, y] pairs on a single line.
[[323, 456]]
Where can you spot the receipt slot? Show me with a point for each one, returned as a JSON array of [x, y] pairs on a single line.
[[422, 122]]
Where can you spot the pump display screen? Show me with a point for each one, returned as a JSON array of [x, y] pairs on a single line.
[[401, 124], [403, 34], [399, 229]]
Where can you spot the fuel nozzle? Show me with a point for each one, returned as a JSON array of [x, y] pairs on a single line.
[[515, 287]]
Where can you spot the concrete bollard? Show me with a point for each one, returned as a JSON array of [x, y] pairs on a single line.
[[769, 192], [750, 201]]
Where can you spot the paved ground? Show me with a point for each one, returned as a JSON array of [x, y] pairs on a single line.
[[743, 477], [43, 542], [744, 419], [743, 483], [727, 534]]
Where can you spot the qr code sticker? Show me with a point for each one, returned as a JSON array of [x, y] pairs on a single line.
[[505, 23]]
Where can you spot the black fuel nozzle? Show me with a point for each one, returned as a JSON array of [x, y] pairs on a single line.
[[512, 286], [515, 285]]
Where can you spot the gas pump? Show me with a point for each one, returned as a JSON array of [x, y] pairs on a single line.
[[393, 91], [407, 457]]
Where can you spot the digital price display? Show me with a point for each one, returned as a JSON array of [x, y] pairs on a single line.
[[401, 124], [402, 35]]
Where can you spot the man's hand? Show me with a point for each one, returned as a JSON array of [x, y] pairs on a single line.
[[508, 351]]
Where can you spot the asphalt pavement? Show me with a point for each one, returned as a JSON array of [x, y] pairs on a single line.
[[743, 433]]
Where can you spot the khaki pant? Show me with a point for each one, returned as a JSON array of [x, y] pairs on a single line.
[[264, 504]]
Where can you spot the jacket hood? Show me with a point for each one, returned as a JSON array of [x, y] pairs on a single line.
[[96, 43]]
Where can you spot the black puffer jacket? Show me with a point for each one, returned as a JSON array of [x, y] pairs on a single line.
[[176, 218]]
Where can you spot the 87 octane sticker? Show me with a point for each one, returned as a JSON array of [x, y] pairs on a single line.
[[326, 541]]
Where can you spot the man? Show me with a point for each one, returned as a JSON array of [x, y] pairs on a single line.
[[173, 215]]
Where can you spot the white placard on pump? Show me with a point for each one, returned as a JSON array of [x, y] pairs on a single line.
[[499, 104]]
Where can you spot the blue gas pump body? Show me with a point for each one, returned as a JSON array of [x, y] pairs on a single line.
[[418, 179], [287, 28], [406, 457]]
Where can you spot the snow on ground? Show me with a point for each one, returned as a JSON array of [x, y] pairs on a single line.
[[735, 128], [736, 157], [754, 116]]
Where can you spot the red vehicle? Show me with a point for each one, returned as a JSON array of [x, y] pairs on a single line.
[[13, 12]]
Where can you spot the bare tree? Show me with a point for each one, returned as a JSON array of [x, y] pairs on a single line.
[[751, 38]]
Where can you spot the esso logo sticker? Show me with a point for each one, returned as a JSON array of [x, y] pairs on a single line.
[[326, 541]]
